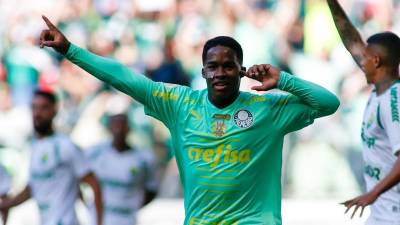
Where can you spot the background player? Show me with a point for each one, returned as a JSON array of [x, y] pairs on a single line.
[[57, 167], [379, 60], [126, 174]]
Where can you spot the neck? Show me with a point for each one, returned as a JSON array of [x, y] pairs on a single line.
[[45, 133], [224, 101], [387, 81], [120, 145]]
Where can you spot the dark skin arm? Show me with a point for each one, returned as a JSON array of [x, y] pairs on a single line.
[[4, 212], [348, 33], [7, 203], [91, 180], [388, 182]]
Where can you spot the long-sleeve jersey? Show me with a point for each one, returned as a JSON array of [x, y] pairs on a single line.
[[229, 159]]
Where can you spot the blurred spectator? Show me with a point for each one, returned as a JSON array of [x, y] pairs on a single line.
[[126, 173], [170, 70]]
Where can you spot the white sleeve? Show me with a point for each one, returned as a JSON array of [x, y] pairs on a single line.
[[76, 159], [91, 155], [5, 181], [390, 118]]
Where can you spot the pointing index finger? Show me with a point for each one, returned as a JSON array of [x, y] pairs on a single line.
[[48, 23]]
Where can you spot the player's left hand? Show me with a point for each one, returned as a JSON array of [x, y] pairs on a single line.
[[266, 74], [361, 201]]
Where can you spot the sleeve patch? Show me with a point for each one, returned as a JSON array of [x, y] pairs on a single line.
[[394, 104]]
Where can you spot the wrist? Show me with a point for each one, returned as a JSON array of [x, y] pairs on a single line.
[[64, 50], [283, 78], [375, 192]]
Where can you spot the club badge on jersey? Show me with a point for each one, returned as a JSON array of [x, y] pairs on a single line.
[[243, 118]]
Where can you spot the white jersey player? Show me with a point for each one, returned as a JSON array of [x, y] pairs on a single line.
[[57, 167], [381, 145], [379, 59], [126, 175]]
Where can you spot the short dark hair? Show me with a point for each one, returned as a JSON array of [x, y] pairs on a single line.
[[223, 41], [46, 94], [391, 43]]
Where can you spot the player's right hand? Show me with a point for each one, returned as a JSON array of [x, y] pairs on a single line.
[[52, 37]]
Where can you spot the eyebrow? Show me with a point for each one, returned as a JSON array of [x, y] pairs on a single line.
[[229, 61]]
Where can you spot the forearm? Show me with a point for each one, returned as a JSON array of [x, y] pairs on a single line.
[[91, 180], [99, 204], [4, 212], [389, 181], [321, 100], [348, 33], [16, 200], [109, 71]]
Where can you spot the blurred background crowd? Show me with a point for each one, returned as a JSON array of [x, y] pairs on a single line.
[[163, 39]]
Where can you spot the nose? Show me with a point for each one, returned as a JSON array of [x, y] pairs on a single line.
[[219, 72]]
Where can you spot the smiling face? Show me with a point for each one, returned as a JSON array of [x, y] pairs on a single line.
[[222, 73]]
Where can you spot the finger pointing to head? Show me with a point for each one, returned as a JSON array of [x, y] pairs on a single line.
[[48, 23], [42, 38]]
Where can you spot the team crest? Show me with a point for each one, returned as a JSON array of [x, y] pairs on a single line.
[[243, 118], [371, 120], [133, 171], [45, 158]]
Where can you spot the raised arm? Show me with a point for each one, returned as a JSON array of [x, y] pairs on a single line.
[[320, 100], [105, 69], [351, 38]]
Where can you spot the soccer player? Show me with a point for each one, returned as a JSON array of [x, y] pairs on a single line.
[[227, 143], [379, 60], [126, 174], [57, 167], [5, 183]]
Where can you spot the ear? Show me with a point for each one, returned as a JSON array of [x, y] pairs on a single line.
[[377, 61], [203, 73], [242, 71]]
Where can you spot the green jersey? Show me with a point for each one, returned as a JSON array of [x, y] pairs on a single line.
[[229, 159]]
